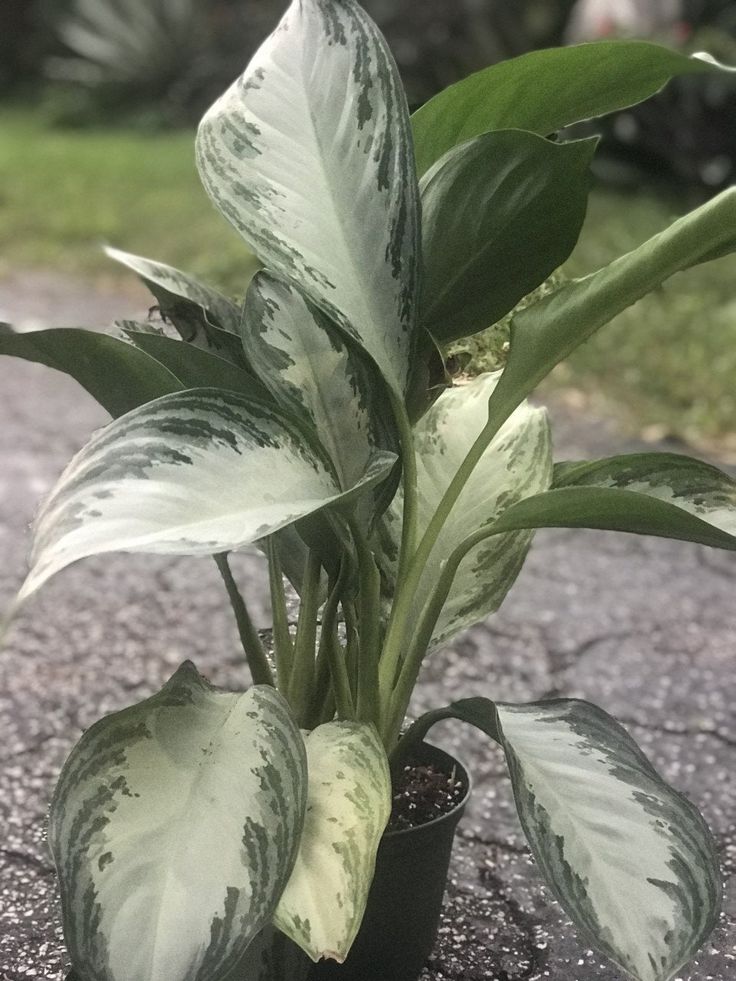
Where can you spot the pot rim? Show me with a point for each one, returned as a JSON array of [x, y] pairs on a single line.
[[436, 751]]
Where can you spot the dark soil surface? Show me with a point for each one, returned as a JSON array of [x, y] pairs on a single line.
[[645, 628], [422, 793]]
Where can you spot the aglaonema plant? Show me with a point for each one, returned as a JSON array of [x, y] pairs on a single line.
[[316, 423]]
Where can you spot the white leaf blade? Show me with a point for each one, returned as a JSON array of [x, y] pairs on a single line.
[[696, 487], [174, 828], [309, 155], [193, 473], [630, 859], [300, 357], [348, 807], [517, 464], [170, 283]]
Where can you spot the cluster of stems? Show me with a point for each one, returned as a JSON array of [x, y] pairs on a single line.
[[345, 659]]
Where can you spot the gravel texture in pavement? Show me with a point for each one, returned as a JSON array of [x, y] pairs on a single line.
[[644, 628]]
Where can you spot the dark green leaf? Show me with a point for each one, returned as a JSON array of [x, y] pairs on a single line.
[[545, 90], [479, 712], [611, 509], [116, 374], [500, 213], [195, 367]]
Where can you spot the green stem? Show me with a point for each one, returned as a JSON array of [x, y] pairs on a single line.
[[422, 637], [255, 654], [352, 651], [302, 675], [409, 484], [282, 643], [407, 586], [339, 673], [332, 685], [369, 605]]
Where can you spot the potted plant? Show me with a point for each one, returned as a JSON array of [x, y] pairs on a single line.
[[217, 835]]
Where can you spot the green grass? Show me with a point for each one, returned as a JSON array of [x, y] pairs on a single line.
[[669, 362], [64, 193]]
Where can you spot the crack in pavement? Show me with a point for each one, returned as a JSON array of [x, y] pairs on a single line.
[[526, 925], [476, 839], [560, 660], [25, 750], [670, 730], [23, 858]]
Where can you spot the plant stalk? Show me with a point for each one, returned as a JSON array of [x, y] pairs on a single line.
[[406, 588], [331, 666], [409, 485], [422, 637], [302, 675], [352, 651], [369, 607], [282, 642], [255, 654]]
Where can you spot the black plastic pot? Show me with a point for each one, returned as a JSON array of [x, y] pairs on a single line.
[[404, 905]]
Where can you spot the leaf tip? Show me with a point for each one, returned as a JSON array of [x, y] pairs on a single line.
[[187, 678]]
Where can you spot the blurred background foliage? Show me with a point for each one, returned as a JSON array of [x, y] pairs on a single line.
[[98, 99]]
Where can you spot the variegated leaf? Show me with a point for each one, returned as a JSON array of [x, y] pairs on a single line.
[[630, 859], [697, 487], [348, 807], [516, 464], [194, 473], [202, 315], [662, 494], [308, 368], [174, 827], [309, 155]]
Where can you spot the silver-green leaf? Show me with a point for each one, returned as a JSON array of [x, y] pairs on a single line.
[[174, 827], [348, 807], [630, 860], [309, 155], [311, 372], [202, 315], [194, 473], [518, 463], [661, 494], [694, 486]]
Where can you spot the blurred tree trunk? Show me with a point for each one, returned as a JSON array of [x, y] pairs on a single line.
[[16, 41]]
